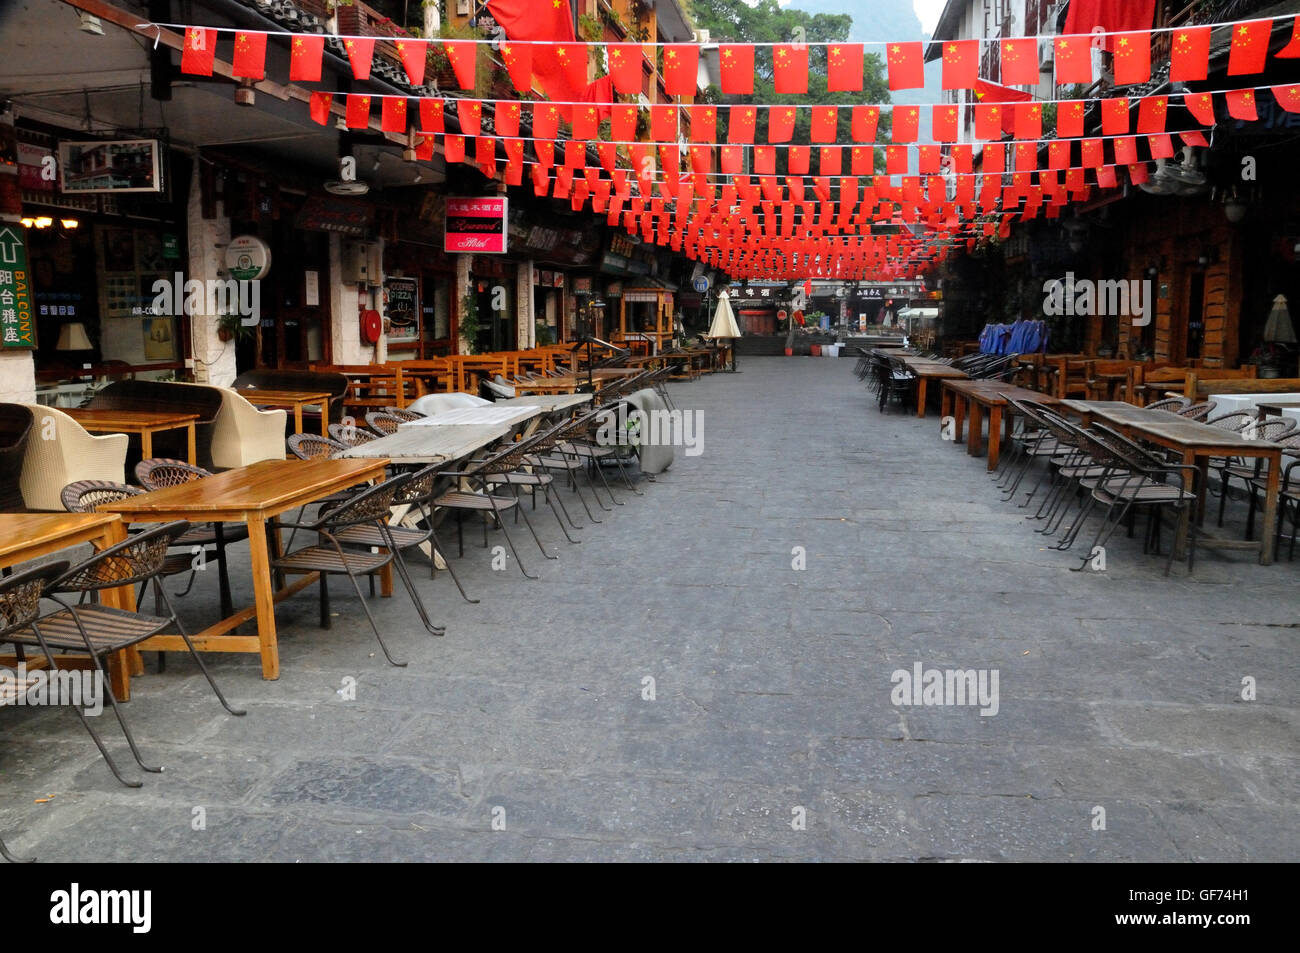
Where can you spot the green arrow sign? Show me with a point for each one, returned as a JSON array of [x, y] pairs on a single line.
[[17, 328]]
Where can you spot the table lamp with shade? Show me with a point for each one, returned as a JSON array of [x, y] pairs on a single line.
[[73, 339]]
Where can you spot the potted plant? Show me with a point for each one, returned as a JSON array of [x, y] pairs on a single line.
[[469, 323], [1268, 360], [231, 327]]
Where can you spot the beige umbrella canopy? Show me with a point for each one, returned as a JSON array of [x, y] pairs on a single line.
[[724, 324], [1278, 328]]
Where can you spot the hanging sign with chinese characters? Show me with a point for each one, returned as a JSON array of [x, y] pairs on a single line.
[[476, 225], [17, 329]]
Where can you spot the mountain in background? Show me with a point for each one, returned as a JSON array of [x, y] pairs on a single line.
[[882, 21]]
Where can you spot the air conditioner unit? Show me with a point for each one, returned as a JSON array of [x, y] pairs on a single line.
[[362, 264]]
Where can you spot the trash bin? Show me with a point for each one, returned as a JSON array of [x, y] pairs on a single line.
[[831, 350], [816, 350]]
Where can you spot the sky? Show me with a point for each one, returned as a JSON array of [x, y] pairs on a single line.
[[927, 10]]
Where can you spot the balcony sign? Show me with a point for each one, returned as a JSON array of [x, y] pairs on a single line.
[[476, 225]]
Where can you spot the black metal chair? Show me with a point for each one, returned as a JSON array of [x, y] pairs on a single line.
[[329, 557], [101, 630]]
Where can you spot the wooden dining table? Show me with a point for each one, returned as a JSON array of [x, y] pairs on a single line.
[[1196, 443], [425, 445], [28, 536], [295, 399], [146, 423], [254, 495], [980, 398]]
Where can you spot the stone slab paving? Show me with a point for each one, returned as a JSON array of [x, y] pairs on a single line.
[[772, 686]]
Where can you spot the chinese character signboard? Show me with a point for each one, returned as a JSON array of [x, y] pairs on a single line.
[[17, 328], [476, 225]]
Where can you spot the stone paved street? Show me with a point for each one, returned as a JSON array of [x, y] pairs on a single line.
[[1119, 690]]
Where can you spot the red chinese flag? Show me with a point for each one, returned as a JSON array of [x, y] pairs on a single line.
[[790, 68], [586, 122], [545, 150], [943, 122], [1201, 106], [663, 122], [424, 148], [1241, 104], [1132, 58], [1092, 154], [844, 67], [608, 153], [905, 122], [895, 160], [200, 47], [622, 122], [625, 67], [741, 122], [431, 113], [961, 64], [463, 56], [1189, 54], [1058, 155], [737, 68], [1288, 97], [360, 52], [412, 53], [393, 114], [764, 160], [305, 59], [1162, 147], [1126, 150], [485, 155], [507, 119], [1073, 59], [541, 180], [780, 123], [701, 160], [1069, 119], [320, 107], [1139, 173], [1106, 178], [825, 121], [995, 157], [1249, 47], [518, 58], [681, 68], [546, 121], [575, 154], [799, 160], [928, 160], [1194, 139], [988, 121], [963, 158], [358, 112], [1029, 121], [249, 61], [453, 148], [704, 123], [864, 122], [731, 159], [1026, 156], [1020, 61], [862, 160], [906, 65], [1114, 116], [830, 161], [470, 115], [1151, 114]]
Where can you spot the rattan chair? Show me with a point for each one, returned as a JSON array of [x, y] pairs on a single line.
[[328, 557], [383, 423], [350, 435], [1273, 429], [403, 414], [1288, 492], [312, 446], [101, 630], [1171, 404], [1197, 411]]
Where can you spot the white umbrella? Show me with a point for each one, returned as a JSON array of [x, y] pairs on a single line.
[[724, 324]]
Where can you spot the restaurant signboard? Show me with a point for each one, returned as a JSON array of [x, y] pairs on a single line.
[[476, 225], [17, 328]]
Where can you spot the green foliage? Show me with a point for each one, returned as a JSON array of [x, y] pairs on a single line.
[[766, 22], [469, 321]]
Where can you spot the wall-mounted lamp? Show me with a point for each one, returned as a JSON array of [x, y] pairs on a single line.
[[69, 223], [90, 24]]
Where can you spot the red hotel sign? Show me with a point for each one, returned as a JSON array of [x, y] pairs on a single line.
[[476, 225]]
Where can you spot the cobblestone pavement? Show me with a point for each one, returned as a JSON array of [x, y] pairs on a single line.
[[773, 701]]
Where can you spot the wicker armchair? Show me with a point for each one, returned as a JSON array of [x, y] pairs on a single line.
[[73, 455], [382, 423], [242, 434], [350, 435]]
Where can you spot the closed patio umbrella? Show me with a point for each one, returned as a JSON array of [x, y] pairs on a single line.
[[724, 324], [1278, 329]]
